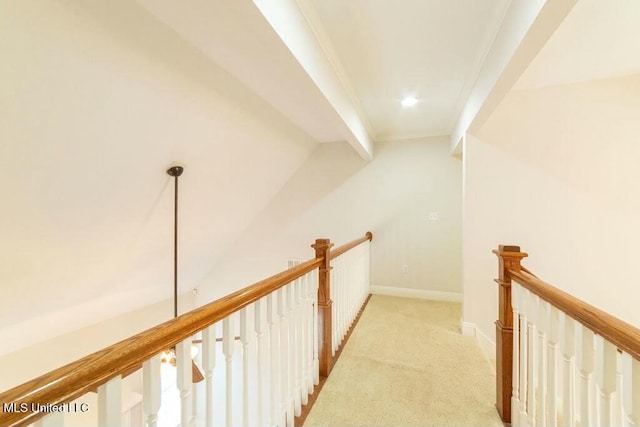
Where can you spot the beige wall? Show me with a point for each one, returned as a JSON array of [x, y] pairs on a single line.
[[555, 171], [335, 194], [98, 99]]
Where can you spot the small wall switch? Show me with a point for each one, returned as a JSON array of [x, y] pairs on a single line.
[[433, 216], [405, 269]]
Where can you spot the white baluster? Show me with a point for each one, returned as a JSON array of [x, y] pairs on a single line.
[[515, 375], [274, 360], [335, 286], [228, 344], [635, 392], [110, 403], [304, 338], [618, 410], [347, 297], [631, 391], [360, 279], [524, 356], [367, 271], [296, 332], [259, 327], [307, 384], [352, 286], [292, 349], [368, 268], [586, 364], [341, 300], [607, 357], [315, 339], [568, 348], [311, 327], [244, 339], [209, 364], [151, 390], [184, 381], [532, 366], [55, 419], [284, 351], [552, 375], [294, 329], [350, 281], [542, 316]]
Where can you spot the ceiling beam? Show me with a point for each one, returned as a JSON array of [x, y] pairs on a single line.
[[293, 27], [526, 27]]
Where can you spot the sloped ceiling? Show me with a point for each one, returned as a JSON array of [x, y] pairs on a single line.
[[343, 61], [99, 98], [598, 40], [235, 36]]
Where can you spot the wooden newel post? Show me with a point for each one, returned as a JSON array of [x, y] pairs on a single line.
[[509, 259], [323, 248]]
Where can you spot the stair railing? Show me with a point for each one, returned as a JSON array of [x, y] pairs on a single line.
[[282, 326], [559, 360]]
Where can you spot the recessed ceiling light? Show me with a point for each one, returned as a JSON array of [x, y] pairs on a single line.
[[409, 101]]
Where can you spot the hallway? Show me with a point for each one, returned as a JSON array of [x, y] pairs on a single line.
[[441, 378]]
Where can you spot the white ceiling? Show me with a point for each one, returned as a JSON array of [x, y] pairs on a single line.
[[598, 40], [237, 38], [380, 51], [431, 49]]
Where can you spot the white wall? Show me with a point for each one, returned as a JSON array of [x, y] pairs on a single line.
[[337, 195], [555, 171], [98, 99]]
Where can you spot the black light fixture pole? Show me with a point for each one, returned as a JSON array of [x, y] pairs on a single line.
[[175, 171]]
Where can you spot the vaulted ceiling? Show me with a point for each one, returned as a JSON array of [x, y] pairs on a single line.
[[99, 98], [342, 68], [598, 40]]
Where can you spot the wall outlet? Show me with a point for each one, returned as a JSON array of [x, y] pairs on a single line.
[[405, 269], [433, 216]]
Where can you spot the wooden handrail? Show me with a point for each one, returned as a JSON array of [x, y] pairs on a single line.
[[526, 270], [77, 378], [348, 246], [621, 334]]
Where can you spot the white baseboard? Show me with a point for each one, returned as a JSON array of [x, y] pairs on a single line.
[[467, 328], [486, 344], [416, 293]]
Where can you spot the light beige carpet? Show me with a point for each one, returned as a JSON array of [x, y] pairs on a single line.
[[406, 364]]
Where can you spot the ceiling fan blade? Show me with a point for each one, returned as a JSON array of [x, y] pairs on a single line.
[[196, 373]]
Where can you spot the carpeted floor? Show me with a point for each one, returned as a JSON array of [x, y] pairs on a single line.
[[406, 364]]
